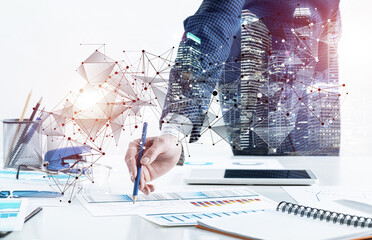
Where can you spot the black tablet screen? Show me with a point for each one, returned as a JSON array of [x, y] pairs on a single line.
[[238, 173]]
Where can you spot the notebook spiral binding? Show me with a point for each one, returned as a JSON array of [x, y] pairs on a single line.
[[329, 216]]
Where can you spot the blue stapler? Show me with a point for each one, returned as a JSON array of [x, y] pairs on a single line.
[[66, 159]]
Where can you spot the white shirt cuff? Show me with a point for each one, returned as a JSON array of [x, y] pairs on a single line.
[[176, 125]]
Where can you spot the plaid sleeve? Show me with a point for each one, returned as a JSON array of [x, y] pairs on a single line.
[[205, 46]]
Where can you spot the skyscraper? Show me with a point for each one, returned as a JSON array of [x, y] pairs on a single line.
[[324, 123], [255, 47], [186, 65], [289, 84]]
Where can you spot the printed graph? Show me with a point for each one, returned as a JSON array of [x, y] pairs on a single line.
[[9, 209], [219, 203], [187, 219], [223, 193]]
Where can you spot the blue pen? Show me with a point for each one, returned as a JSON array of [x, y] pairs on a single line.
[[138, 177]]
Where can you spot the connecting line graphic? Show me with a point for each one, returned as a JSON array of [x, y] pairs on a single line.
[[111, 103], [280, 95]]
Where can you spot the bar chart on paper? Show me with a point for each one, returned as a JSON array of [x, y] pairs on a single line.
[[223, 193], [10, 209], [221, 203], [181, 202], [190, 219], [12, 214]]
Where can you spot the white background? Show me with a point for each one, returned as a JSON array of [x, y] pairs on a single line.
[[40, 50]]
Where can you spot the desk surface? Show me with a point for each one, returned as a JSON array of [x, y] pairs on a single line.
[[75, 222]]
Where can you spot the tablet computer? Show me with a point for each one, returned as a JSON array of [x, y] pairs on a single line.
[[251, 176]]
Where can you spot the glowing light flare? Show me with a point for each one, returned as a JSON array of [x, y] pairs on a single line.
[[88, 98]]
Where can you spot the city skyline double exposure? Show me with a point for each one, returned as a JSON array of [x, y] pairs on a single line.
[[289, 86], [279, 88]]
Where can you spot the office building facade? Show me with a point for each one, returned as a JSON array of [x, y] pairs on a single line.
[[289, 89]]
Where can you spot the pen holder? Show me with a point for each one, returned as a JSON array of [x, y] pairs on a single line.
[[22, 143]]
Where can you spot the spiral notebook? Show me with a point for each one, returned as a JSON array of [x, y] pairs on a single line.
[[291, 221]]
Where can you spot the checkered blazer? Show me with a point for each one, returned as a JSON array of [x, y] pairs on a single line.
[[215, 23]]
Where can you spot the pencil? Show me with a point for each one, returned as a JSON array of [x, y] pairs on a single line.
[[17, 131], [139, 166], [33, 213], [25, 107]]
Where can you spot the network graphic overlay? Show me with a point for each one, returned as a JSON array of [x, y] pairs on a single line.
[[115, 99]]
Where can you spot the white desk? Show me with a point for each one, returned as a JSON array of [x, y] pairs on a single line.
[[75, 222]]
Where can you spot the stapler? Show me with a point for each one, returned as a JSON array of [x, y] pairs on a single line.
[[66, 159]]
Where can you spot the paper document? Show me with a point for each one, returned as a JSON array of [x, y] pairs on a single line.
[[177, 202], [271, 224], [31, 175], [316, 194], [355, 201], [12, 214], [39, 194], [23, 175]]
